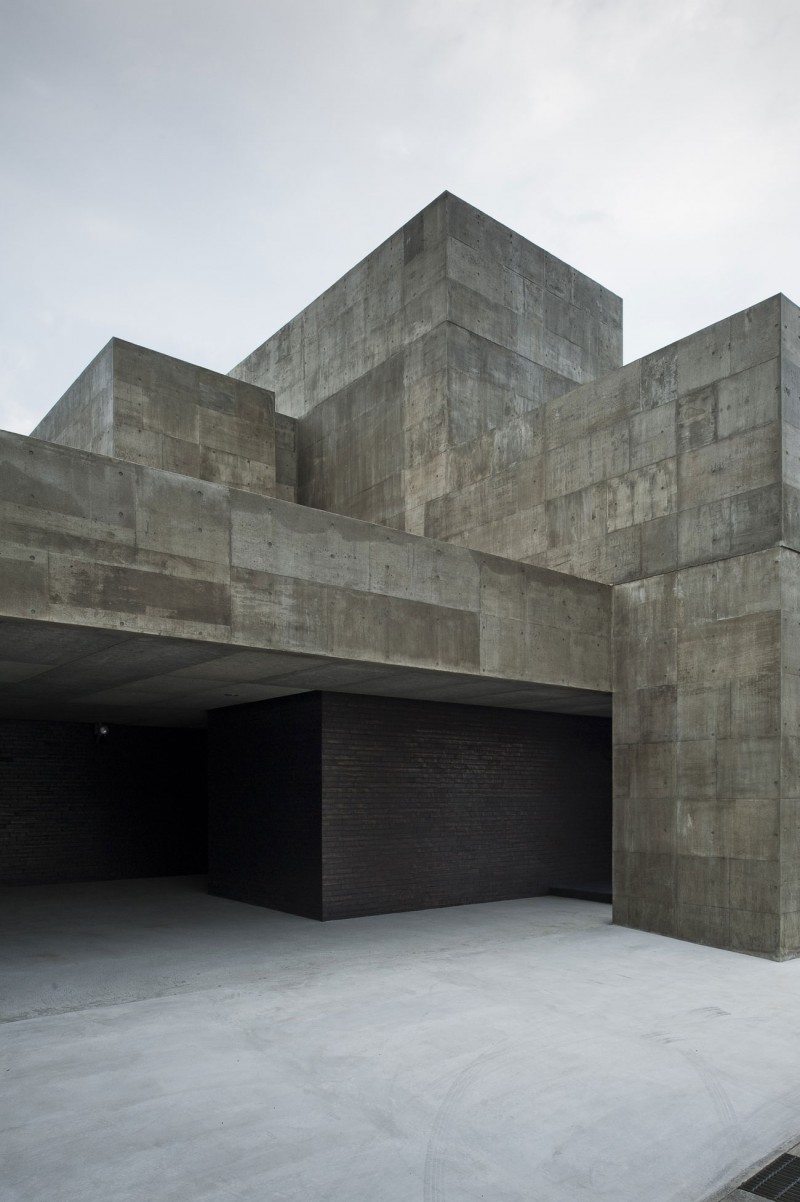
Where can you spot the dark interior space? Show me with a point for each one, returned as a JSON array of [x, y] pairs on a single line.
[[337, 805], [265, 799], [78, 807], [325, 805]]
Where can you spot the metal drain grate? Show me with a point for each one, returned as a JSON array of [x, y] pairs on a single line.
[[781, 1179]]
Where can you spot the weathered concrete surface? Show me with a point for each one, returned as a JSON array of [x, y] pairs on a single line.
[[707, 817], [672, 460], [176, 1046], [86, 674], [95, 542], [285, 457], [447, 330], [469, 428], [449, 263], [790, 414], [144, 407], [84, 416], [462, 385], [706, 842]]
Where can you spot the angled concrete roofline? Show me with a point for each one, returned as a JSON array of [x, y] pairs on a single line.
[[402, 231]]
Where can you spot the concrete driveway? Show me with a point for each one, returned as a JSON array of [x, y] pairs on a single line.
[[161, 1045]]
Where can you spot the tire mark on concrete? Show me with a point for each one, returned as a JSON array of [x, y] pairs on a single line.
[[433, 1189], [713, 1086]]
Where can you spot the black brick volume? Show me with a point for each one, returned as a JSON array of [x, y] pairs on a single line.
[[335, 805]]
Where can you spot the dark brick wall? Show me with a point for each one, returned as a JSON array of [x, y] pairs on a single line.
[[75, 809], [331, 805], [428, 804], [264, 804]]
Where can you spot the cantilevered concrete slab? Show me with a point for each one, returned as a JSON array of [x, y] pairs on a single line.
[[91, 674], [178, 595]]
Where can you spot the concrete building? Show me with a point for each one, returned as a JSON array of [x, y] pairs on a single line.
[[375, 593]]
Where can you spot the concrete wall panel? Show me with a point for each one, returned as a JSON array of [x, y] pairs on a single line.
[[84, 417], [196, 560], [148, 408], [402, 373], [640, 477], [709, 751], [675, 478]]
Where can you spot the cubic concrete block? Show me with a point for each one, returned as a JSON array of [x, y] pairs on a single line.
[[84, 417], [630, 433], [685, 476], [461, 343], [144, 407]]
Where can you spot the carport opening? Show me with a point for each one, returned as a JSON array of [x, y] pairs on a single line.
[[335, 805], [79, 805], [325, 805]]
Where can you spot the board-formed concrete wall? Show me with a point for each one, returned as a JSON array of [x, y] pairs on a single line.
[[447, 330], [99, 542], [144, 407], [469, 428], [672, 468], [449, 263], [790, 415], [697, 769], [462, 392], [705, 717], [672, 460]]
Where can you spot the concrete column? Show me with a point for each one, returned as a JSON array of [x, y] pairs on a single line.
[[705, 753]]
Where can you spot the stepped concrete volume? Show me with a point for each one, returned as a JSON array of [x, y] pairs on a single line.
[[390, 575]]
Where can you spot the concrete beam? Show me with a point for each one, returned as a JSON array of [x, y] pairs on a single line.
[[97, 543]]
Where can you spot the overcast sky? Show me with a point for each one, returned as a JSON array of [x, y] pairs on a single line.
[[189, 174]]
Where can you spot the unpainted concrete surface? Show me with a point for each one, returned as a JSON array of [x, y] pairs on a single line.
[[423, 375], [462, 385], [54, 671], [145, 407], [101, 543], [705, 733], [169, 1045], [453, 263]]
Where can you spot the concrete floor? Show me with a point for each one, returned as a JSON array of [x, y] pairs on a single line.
[[164, 1045]]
